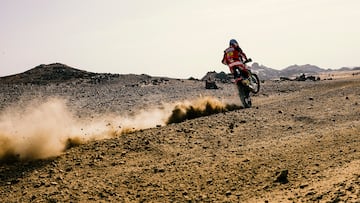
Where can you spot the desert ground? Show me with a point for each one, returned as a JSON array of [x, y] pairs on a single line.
[[111, 142]]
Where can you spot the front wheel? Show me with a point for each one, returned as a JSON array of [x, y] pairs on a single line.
[[255, 83]]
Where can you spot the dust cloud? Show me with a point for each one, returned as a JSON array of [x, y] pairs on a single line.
[[43, 129], [36, 131], [198, 108]]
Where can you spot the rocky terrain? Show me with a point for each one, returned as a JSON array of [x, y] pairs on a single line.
[[107, 139]]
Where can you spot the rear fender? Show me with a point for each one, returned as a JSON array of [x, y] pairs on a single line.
[[238, 80]]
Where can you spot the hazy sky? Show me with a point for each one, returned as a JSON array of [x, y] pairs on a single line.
[[176, 38]]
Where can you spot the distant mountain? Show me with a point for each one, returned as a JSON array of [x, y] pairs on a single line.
[[262, 71], [295, 70], [345, 69], [265, 72]]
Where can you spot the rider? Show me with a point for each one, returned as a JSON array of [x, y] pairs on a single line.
[[234, 57]]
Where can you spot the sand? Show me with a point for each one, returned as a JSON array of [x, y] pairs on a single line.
[[111, 142]]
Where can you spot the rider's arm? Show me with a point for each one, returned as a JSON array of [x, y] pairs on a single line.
[[243, 57], [223, 61]]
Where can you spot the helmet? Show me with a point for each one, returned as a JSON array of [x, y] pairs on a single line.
[[234, 43]]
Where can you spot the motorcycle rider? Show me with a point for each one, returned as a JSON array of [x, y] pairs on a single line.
[[234, 57]]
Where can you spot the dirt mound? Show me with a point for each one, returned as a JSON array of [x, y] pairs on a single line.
[[57, 73], [44, 74]]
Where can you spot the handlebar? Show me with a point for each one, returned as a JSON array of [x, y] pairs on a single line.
[[248, 61]]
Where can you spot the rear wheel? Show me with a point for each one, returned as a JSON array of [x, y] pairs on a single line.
[[244, 95]]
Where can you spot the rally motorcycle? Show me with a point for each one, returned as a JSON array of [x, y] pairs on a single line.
[[246, 85]]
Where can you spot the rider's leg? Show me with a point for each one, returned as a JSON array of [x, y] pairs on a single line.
[[236, 72], [244, 71]]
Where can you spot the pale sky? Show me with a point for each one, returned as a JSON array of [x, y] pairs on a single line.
[[176, 38]]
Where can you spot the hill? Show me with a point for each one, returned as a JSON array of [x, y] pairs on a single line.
[[266, 73], [56, 73], [44, 74], [295, 70]]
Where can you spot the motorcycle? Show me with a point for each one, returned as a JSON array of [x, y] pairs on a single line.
[[246, 85]]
